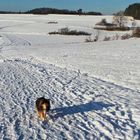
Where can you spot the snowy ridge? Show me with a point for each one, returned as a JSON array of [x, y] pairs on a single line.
[[82, 107]]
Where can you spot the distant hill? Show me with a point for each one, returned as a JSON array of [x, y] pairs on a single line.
[[60, 11], [133, 10]]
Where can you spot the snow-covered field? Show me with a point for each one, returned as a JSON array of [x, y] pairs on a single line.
[[94, 87]]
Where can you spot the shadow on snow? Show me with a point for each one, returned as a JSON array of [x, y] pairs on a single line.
[[82, 108]]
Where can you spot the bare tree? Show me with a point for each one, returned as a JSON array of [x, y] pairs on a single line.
[[120, 20]]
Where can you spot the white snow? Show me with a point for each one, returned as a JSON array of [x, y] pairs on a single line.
[[94, 87]]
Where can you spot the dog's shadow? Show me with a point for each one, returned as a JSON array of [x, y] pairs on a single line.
[[71, 110]]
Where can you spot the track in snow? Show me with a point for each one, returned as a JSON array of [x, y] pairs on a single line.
[[13, 40], [82, 107]]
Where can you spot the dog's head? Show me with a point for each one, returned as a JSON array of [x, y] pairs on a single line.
[[43, 104]]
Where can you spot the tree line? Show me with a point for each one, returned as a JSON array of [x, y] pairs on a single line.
[[133, 10], [53, 11], [61, 11]]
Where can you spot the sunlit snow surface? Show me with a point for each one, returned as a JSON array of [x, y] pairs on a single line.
[[94, 87]]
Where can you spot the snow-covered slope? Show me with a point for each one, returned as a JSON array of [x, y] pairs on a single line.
[[81, 107], [93, 87]]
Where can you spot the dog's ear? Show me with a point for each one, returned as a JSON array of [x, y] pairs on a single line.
[[47, 100]]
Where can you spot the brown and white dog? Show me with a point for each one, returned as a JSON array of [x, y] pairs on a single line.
[[42, 107]]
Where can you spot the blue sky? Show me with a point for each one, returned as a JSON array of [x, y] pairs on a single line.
[[104, 6]]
